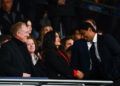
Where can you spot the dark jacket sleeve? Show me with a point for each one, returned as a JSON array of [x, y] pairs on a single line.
[[114, 49], [80, 57]]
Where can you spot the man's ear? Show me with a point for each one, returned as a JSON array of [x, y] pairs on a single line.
[[17, 33]]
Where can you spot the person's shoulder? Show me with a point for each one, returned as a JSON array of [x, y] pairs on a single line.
[[107, 36], [49, 51], [10, 43], [7, 45], [81, 41]]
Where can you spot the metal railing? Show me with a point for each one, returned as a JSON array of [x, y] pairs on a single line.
[[47, 82]]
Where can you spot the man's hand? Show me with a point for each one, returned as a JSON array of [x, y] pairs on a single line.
[[80, 74], [26, 75]]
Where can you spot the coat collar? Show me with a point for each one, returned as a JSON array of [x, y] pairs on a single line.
[[18, 41]]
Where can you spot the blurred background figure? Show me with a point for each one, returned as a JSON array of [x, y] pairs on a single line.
[[32, 9], [45, 20], [76, 35], [67, 43], [44, 30], [62, 15], [4, 39], [8, 16], [0, 3], [31, 30]]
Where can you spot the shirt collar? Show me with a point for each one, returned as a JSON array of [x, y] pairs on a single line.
[[95, 38]]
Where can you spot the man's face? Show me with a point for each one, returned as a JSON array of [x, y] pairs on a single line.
[[87, 34], [7, 5], [23, 33]]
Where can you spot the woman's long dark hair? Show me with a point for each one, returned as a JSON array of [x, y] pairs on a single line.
[[49, 40], [48, 43]]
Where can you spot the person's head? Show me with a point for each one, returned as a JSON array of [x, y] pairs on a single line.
[[76, 35], [44, 30], [31, 44], [6, 5], [29, 25], [20, 31], [51, 40], [88, 31], [67, 42], [92, 22]]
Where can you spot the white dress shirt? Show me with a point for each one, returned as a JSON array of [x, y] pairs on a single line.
[[96, 49]]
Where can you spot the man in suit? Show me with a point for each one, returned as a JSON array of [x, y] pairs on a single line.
[[98, 56], [15, 59], [8, 16]]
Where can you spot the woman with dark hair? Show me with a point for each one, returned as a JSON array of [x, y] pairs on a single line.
[[56, 62], [31, 30]]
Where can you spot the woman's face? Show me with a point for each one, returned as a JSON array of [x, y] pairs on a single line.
[[57, 40], [30, 45], [29, 26], [47, 29]]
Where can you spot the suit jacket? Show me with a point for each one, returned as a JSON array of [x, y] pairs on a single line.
[[15, 59], [57, 66], [109, 51]]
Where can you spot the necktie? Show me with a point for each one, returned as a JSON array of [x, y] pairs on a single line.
[[93, 56], [97, 70]]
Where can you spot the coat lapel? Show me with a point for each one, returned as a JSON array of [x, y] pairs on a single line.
[[100, 46]]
